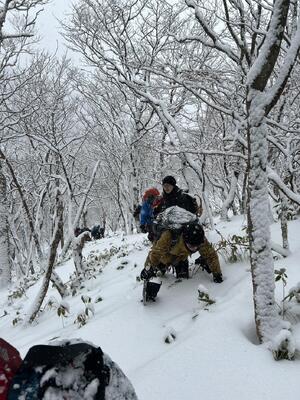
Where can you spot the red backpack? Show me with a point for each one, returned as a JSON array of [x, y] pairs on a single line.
[[10, 361]]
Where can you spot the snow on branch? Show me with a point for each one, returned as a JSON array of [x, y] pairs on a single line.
[[216, 41], [263, 66], [202, 151], [273, 94], [273, 176]]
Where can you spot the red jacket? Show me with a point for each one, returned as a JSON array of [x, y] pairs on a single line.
[[10, 361]]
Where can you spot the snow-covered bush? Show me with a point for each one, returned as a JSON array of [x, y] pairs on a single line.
[[204, 296], [283, 346], [233, 248], [83, 316]]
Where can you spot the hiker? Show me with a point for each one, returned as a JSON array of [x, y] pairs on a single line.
[[166, 252], [150, 199], [173, 196], [97, 232]]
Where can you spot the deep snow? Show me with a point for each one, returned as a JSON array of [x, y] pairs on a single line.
[[215, 354]]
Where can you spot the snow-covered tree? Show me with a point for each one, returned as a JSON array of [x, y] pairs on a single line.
[[256, 57], [5, 273]]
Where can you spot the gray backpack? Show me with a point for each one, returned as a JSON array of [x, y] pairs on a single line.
[[173, 219]]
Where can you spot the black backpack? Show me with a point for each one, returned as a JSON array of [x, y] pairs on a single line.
[[189, 202], [68, 371]]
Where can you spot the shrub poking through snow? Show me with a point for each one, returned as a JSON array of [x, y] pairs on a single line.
[[83, 316], [292, 307], [233, 248], [170, 336], [294, 293], [204, 296], [283, 346], [52, 303], [81, 319], [280, 275], [98, 299], [16, 294], [63, 310], [17, 319], [20, 290]]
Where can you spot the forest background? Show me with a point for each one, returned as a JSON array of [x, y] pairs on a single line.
[[207, 92]]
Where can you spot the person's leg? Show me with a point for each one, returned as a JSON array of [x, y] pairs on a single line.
[[151, 290], [182, 269]]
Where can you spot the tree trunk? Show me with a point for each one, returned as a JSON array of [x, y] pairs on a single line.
[[25, 206], [5, 273], [78, 215], [51, 261], [78, 244], [284, 220], [230, 196], [262, 268], [58, 284]]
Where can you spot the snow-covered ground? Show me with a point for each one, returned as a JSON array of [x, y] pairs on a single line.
[[215, 355]]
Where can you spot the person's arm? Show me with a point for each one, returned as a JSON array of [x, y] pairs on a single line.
[[159, 254], [144, 214], [207, 251]]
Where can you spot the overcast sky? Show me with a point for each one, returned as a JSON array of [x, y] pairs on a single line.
[[48, 26]]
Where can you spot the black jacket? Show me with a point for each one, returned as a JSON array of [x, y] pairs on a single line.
[[177, 198]]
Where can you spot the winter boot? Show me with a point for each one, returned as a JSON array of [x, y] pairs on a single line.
[[152, 289], [152, 284], [182, 269]]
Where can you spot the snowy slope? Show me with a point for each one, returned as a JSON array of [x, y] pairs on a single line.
[[215, 355]]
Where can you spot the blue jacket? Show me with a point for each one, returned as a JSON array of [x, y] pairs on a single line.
[[146, 214]]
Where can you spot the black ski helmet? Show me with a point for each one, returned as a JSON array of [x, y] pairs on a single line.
[[193, 234]]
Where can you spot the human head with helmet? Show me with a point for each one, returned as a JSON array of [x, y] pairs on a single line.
[[193, 236]]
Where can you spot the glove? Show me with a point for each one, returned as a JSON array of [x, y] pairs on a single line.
[[202, 261], [146, 274], [218, 278], [144, 228], [198, 260]]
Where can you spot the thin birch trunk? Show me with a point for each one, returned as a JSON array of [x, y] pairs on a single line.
[[78, 214], [284, 220], [25, 206], [51, 260], [230, 196], [5, 272], [78, 244]]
